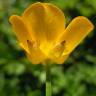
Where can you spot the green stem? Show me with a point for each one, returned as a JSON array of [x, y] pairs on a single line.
[[48, 80]]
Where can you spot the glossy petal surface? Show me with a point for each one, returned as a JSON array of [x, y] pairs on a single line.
[[76, 31], [45, 21], [21, 30]]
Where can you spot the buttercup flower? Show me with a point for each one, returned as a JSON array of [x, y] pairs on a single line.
[[42, 34]]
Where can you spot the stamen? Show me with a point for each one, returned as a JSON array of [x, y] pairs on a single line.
[[63, 42], [32, 43], [59, 49]]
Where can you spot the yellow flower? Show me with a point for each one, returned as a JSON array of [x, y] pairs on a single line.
[[42, 34]]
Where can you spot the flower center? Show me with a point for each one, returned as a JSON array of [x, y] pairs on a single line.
[[55, 50]]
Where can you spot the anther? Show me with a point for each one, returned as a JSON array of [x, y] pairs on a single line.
[[32, 43], [63, 42]]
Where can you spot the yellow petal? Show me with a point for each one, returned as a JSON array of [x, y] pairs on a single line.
[[21, 30], [76, 31], [45, 21], [35, 56]]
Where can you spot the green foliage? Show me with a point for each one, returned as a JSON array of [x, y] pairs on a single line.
[[77, 77]]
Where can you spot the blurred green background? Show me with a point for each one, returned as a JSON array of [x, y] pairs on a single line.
[[18, 77]]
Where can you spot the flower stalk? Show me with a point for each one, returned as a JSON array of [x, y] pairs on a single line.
[[48, 80]]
